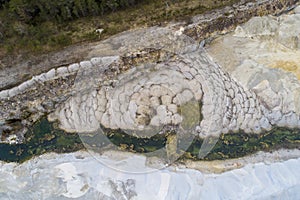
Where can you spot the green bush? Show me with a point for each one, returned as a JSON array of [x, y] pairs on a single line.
[[37, 11]]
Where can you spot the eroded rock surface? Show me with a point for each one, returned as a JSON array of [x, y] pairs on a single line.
[[263, 55], [248, 95], [153, 95], [140, 89]]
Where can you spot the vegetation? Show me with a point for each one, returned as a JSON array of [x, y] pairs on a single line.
[[39, 26], [235, 145], [46, 137], [41, 138], [37, 11]]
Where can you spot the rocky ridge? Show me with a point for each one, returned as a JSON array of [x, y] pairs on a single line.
[[226, 104], [254, 115], [159, 91], [263, 55], [16, 70]]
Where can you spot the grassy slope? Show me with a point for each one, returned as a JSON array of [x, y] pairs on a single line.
[[51, 36]]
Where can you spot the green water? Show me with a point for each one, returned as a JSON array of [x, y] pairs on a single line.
[[234, 145], [46, 137], [41, 138]]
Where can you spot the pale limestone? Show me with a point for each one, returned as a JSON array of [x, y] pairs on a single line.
[[50, 74], [61, 71], [85, 65], [166, 100], [73, 67], [230, 101], [172, 108]]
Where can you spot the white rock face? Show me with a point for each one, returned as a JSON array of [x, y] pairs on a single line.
[[264, 58], [81, 176], [73, 67], [289, 31], [258, 26], [297, 10], [61, 71], [50, 75], [150, 95], [250, 93], [285, 29], [252, 97]]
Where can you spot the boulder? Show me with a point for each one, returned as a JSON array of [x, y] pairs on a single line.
[[289, 31], [258, 26]]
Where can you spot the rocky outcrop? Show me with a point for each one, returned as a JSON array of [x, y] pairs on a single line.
[[246, 80], [251, 98], [40, 79], [230, 101], [274, 27], [265, 97], [16, 70], [153, 95], [225, 20], [263, 55]]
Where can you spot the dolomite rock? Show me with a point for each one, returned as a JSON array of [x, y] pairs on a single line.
[[85, 65], [154, 99], [50, 74], [4, 94], [243, 93], [265, 65], [258, 26], [40, 79], [290, 38], [172, 108], [62, 71], [166, 100], [297, 10], [73, 67]]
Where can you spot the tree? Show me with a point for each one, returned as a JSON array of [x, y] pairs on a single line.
[[37, 11], [112, 4], [2, 3], [92, 6], [79, 8]]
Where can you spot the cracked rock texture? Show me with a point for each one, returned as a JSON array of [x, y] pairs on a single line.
[[247, 94], [247, 80], [264, 56], [151, 95]]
